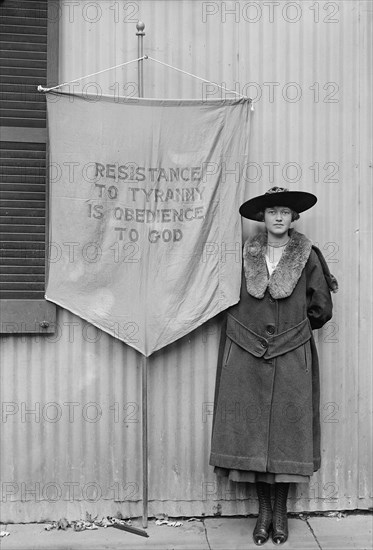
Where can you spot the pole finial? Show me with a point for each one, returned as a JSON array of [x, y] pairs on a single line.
[[140, 26]]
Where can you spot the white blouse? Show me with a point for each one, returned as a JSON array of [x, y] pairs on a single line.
[[271, 265]]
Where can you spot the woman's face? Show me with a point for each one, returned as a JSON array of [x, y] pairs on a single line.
[[278, 220]]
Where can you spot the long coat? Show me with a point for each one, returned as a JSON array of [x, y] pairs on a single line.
[[266, 413]]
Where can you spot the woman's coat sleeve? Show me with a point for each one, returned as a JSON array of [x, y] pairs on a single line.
[[319, 302]]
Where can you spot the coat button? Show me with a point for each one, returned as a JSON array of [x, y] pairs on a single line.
[[270, 329], [264, 343]]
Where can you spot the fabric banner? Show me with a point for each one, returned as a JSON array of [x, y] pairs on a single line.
[[145, 235]]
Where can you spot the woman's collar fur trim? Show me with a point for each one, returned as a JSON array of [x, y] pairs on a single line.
[[288, 271]]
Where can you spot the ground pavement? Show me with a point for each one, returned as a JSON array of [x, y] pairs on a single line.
[[218, 533]]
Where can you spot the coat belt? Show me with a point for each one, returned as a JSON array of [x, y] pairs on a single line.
[[268, 347]]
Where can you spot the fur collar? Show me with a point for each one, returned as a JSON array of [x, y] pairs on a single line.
[[288, 271]]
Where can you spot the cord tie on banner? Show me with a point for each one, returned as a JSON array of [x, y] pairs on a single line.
[[43, 89]]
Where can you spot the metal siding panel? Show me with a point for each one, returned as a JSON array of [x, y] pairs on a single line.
[[80, 382], [365, 380], [310, 133]]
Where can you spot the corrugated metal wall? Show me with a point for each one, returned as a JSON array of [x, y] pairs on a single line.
[[308, 64]]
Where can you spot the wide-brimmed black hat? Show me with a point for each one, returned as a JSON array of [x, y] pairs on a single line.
[[299, 201]]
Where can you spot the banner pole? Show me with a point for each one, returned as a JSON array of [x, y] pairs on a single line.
[[140, 26], [144, 385]]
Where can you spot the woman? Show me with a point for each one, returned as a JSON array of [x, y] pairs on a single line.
[[266, 427]]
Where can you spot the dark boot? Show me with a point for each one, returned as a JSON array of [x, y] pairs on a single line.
[[280, 520], [264, 521]]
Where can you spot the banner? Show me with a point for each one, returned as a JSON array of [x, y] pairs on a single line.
[[145, 235]]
